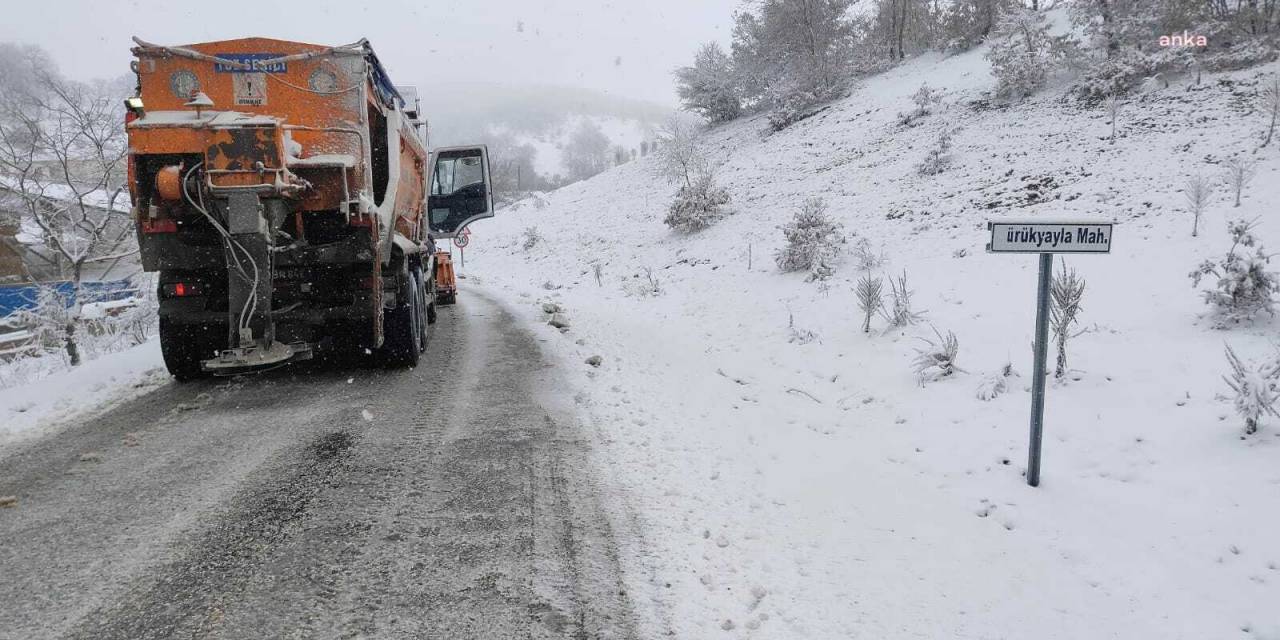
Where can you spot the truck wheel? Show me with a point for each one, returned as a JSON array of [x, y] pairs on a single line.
[[180, 345], [402, 339]]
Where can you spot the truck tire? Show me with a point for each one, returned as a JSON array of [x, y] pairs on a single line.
[[181, 347], [428, 297], [423, 312], [402, 340]]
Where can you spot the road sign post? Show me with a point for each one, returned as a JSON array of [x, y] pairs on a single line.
[[461, 241], [1045, 237]]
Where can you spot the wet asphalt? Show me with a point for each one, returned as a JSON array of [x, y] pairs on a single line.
[[332, 500]]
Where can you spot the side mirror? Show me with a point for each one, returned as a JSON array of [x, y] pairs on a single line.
[[460, 189]]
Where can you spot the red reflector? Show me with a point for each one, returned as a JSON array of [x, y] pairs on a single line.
[[162, 225], [181, 289]]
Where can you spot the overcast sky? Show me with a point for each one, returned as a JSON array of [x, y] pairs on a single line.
[[623, 47]]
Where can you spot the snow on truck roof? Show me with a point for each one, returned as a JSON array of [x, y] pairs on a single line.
[[207, 118]]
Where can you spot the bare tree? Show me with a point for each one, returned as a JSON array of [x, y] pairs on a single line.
[[1113, 113], [62, 156], [1197, 194], [1239, 173], [679, 158], [1271, 106], [587, 152]]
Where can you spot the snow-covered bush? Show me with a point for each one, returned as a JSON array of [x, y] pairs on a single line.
[[994, 384], [1065, 295], [924, 99], [937, 360], [697, 205], [939, 157], [866, 258], [870, 298], [530, 238], [1254, 387], [813, 241], [710, 88], [1113, 76], [1021, 53], [51, 322], [791, 108], [643, 287], [898, 313], [796, 335], [1244, 286]]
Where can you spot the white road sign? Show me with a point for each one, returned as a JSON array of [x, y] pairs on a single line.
[[1042, 236]]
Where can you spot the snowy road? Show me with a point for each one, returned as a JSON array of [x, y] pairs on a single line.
[[323, 503]]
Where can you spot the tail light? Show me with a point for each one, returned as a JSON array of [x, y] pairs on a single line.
[[160, 225], [182, 289]]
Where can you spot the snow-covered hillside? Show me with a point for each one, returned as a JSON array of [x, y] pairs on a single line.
[[550, 143], [812, 488]]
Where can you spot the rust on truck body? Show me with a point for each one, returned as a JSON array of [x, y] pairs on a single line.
[[311, 142]]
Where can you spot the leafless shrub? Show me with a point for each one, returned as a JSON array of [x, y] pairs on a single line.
[[597, 270], [898, 313], [647, 286]]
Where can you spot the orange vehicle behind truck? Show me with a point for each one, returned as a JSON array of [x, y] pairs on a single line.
[[286, 195]]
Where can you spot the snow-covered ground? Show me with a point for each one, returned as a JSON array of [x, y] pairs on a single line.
[[51, 399], [816, 490]]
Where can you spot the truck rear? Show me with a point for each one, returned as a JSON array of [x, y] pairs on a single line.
[[285, 194]]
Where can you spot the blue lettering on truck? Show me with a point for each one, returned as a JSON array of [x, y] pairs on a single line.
[[249, 63]]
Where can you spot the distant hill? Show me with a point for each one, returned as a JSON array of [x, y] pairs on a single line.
[[544, 117]]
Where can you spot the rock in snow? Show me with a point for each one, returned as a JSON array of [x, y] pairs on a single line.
[[595, 361], [558, 321]]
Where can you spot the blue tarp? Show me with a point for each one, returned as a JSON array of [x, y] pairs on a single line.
[[16, 297]]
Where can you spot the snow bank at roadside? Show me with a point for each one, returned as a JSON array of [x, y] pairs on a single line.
[[30, 409], [814, 489]]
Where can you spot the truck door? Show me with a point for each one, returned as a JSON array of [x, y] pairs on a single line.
[[460, 189]]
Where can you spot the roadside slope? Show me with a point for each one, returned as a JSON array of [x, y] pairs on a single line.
[[792, 476]]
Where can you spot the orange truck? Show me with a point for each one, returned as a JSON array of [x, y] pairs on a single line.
[[287, 197]]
